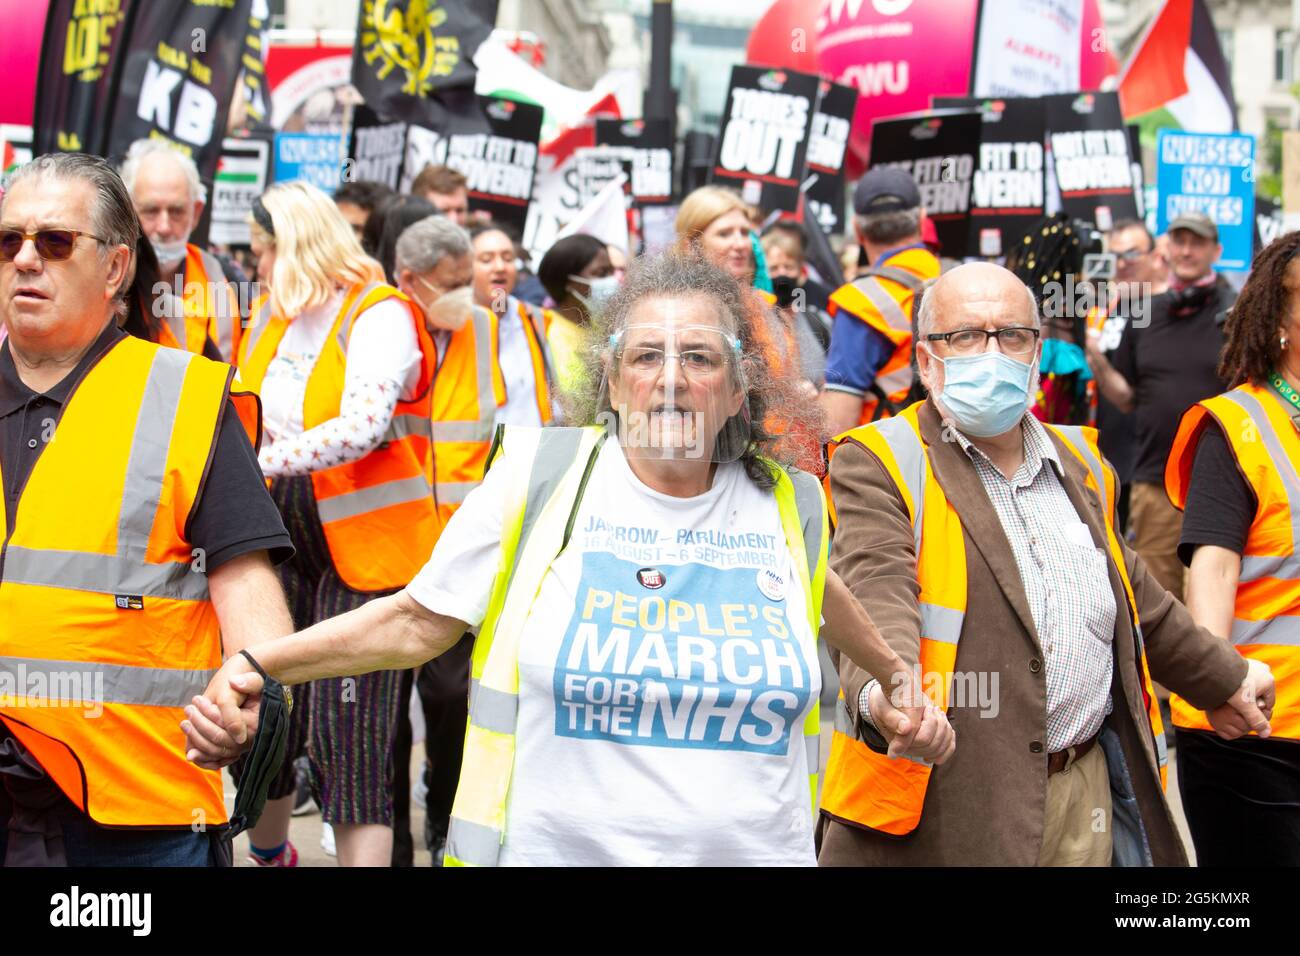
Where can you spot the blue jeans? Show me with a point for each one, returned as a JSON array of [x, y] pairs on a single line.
[[87, 844]]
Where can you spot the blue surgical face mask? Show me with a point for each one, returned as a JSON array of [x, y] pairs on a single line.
[[986, 394]]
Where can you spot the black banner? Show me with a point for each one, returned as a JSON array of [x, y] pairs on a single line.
[[501, 162], [182, 62], [414, 48], [254, 96], [939, 150], [1007, 192], [763, 146], [490, 139], [648, 145], [376, 149], [1090, 156], [832, 122], [77, 80]]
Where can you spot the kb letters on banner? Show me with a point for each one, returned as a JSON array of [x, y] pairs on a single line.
[[196, 109]]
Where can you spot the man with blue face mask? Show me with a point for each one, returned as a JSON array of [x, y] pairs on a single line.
[[983, 542]]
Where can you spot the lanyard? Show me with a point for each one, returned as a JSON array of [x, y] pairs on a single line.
[[1283, 388]]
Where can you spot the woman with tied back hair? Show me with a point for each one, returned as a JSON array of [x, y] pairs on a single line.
[[645, 678], [579, 278], [1235, 471], [343, 367], [394, 217]]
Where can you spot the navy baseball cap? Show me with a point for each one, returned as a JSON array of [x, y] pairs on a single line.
[[885, 189]]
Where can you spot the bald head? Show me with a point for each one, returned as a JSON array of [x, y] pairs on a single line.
[[960, 297]]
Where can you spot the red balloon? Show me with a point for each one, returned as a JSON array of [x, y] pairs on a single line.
[[775, 42]]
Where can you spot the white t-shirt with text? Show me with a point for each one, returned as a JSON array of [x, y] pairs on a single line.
[[665, 671]]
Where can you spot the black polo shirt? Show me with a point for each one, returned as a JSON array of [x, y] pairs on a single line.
[[234, 513], [1171, 364]]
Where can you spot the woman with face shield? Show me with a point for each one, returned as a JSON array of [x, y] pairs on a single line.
[[647, 593], [343, 369]]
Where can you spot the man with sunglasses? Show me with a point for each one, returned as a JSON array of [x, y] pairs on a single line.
[[137, 538], [983, 541]]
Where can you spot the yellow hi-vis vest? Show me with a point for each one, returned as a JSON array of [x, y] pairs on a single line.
[[1266, 615], [106, 627], [549, 469], [865, 788]]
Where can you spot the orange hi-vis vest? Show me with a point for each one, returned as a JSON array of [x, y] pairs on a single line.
[[467, 391], [1266, 615], [210, 309], [885, 305], [106, 627], [865, 788], [377, 512]]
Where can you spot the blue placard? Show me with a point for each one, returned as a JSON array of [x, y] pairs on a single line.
[[1213, 173], [315, 157]]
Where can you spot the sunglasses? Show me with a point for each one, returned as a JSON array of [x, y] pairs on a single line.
[[53, 245]]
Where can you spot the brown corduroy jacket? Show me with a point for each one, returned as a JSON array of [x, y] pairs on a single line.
[[985, 806]]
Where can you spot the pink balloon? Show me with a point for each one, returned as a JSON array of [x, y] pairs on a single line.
[[786, 36], [897, 54]]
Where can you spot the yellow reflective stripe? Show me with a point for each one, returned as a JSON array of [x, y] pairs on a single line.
[[83, 682]]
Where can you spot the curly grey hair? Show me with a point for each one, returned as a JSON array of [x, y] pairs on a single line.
[[674, 275]]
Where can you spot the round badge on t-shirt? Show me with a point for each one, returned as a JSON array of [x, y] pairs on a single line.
[[771, 584]]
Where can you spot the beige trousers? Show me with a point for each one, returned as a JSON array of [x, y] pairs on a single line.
[[1156, 528], [1076, 827]]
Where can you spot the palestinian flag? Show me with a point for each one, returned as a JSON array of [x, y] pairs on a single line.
[[1177, 77]]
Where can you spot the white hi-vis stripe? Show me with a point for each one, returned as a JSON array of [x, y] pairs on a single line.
[[462, 431], [473, 843], [1073, 436], [407, 424], [1284, 630], [885, 304], [453, 492], [913, 465], [809, 504], [127, 572], [939, 623], [365, 500], [109, 683], [1284, 567], [812, 751], [492, 709]]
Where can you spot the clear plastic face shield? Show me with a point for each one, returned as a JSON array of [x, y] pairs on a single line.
[[676, 385]]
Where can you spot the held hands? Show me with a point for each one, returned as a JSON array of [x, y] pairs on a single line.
[[1249, 708], [910, 722], [221, 724]]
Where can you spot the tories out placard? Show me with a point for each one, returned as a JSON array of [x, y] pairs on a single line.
[[763, 144]]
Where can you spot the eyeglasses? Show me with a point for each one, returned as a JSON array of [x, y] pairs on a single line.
[[1013, 340], [695, 363], [52, 245]]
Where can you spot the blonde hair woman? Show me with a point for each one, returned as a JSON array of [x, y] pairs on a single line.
[[716, 224], [343, 367]]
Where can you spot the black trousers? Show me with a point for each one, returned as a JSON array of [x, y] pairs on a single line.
[[1241, 798], [443, 686]]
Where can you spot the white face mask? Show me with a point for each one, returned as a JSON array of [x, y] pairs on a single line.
[[601, 291], [168, 253], [449, 310]]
